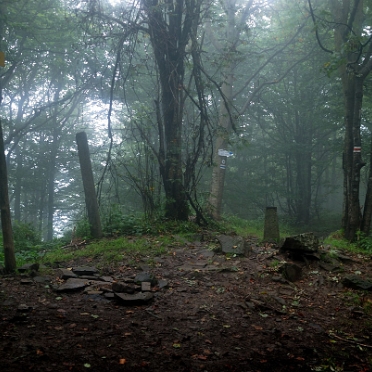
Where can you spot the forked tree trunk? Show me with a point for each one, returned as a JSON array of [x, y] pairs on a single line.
[[169, 27]]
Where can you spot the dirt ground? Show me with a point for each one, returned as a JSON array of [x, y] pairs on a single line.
[[215, 313]]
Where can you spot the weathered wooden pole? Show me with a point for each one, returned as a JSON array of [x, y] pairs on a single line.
[[88, 183], [271, 230]]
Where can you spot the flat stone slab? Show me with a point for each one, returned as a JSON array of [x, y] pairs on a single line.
[[233, 245], [72, 284], [109, 279], [121, 287], [140, 298], [66, 274], [85, 270], [355, 282], [145, 286], [26, 267], [145, 277]]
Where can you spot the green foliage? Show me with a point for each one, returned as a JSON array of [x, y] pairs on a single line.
[[114, 250], [25, 237], [255, 227], [362, 245], [364, 242], [117, 223], [82, 230]]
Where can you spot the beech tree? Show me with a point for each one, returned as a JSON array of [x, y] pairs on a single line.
[[352, 58]]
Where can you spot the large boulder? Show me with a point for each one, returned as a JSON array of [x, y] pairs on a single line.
[[301, 244]]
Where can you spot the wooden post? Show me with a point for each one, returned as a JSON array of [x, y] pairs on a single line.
[[271, 230], [88, 183]]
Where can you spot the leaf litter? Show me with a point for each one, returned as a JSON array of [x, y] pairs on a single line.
[[231, 314]]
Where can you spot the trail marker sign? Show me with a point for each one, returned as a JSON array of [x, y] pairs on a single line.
[[226, 153]]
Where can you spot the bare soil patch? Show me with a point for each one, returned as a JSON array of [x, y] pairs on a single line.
[[215, 313]]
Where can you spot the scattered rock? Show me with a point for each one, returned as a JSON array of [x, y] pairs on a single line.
[[66, 274], [291, 272], [145, 286], [85, 270], [29, 267], [121, 287], [72, 284], [108, 279], [233, 245], [162, 283], [134, 299], [42, 279], [300, 244], [355, 282], [24, 308], [27, 281], [329, 266], [145, 277]]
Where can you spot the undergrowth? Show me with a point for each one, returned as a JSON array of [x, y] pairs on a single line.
[[135, 235]]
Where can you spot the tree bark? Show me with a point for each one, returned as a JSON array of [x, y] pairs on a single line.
[[88, 183], [169, 34], [6, 222], [224, 123]]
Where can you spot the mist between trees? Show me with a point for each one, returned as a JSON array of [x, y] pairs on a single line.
[[160, 87]]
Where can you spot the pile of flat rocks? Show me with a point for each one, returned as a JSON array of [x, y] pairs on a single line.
[[132, 290], [136, 289]]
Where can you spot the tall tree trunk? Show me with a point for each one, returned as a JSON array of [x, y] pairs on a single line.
[[353, 95], [219, 169], [367, 212], [6, 223], [169, 34], [224, 123], [18, 184], [50, 186], [88, 183]]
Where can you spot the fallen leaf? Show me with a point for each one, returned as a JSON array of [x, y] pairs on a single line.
[[122, 361], [176, 346], [200, 357], [258, 328]]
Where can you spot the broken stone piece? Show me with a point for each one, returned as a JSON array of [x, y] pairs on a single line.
[[66, 274], [233, 245], [24, 307], [291, 272], [302, 243], [85, 270], [145, 277], [355, 282], [26, 267], [140, 298], [72, 284], [121, 287], [162, 283], [145, 286], [108, 279]]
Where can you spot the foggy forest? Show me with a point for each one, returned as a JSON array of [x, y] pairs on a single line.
[[118, 118]]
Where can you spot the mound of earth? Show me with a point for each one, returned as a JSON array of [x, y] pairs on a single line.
[[193, 310]]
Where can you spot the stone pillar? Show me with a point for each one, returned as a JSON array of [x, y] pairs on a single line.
[[271, 230]]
